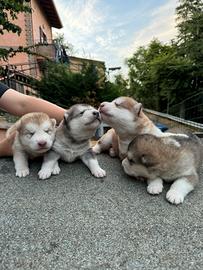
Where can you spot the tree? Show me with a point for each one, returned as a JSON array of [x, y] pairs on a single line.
[[190, 28], [63, 87], [161, 75], [9, 11], [143, 78], [59, 40], [158, 75], [190, 36]]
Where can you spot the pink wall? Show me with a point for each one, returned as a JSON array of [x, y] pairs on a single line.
[[40, 19], [13, 40], [10, 39]]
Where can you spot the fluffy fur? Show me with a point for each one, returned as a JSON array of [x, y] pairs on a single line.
[[174, 159], [35, 133], [73, 141], [127, 119]]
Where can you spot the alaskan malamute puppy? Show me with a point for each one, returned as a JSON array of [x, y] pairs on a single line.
[[35, 134], [174, 159], [73, 141], [127, 119]]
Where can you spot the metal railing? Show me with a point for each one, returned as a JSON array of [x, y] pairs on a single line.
[[189, 109], [18, 77]]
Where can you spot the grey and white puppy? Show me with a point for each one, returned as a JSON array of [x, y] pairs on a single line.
[[72, 141], [172, 159]]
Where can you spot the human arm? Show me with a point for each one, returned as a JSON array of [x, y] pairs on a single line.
[[19, 104], [6, 144]]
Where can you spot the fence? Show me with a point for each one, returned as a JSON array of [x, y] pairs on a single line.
[[189, 109], [18, 77]]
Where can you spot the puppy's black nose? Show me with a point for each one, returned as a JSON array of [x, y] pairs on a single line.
[[96, 113]]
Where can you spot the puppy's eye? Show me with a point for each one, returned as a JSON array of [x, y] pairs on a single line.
[[117, 105], [30, 134], [81, 113], [130, 160], [48, 131]]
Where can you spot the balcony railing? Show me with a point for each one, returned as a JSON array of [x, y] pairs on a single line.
[[46, 50]]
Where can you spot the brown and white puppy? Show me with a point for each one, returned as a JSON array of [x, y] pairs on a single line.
[[73, 141], [127, 119], [174, 159], [35, 133]]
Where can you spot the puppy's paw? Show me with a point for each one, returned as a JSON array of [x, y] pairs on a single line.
[[99, 172], [44, 174], [56, 170], [112, 153], [96, 149], [22, 172], [154, 188], [174, 196]]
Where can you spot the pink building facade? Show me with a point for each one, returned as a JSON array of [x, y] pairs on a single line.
[[36, 28]]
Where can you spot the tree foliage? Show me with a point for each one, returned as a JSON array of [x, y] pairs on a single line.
[[160, 74], [112, 90], [190, 28], [63, 87], [9, 11]]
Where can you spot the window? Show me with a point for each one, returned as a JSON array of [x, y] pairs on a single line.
[[42, 36]]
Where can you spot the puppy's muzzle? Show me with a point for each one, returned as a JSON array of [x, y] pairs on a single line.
[[42, 144], [103, 109], [96, 114]]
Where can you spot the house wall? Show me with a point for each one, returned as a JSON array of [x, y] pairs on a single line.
[[76, 64], [39, 19], [10, 39], [30, 35]]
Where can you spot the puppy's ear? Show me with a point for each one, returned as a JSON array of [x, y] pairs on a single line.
[[53, 121], [137, 109], [15, 127], [66, 115]]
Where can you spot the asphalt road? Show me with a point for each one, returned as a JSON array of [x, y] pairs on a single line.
[[75, 221]]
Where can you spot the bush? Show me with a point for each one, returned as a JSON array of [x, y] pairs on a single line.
[[61, 86]]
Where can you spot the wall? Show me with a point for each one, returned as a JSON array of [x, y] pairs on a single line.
[[13, 40], [39, 19], [170, 123]]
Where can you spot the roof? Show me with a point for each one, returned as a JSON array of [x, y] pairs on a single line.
[[86, 59], [50, 10]]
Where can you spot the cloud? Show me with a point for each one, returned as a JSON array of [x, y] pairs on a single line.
[[98, 32], [110, 38], [81, 20], [161, 26]]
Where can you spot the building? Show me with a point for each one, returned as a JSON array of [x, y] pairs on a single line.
[[76, 64], [36, 29]]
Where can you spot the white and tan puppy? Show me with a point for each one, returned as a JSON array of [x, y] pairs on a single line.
[[35, 133], [73, 141], [127, 119], [174, 159]]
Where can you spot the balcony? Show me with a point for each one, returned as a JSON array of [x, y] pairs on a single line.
[[47, 50]]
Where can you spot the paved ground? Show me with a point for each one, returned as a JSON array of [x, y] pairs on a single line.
[[74, 221]]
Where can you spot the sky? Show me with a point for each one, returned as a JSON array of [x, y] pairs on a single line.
[[111, 30]]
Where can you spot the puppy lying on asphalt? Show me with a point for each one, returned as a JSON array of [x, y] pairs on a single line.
[[73, 141], [35, 133], [173, 158], [127, 119]]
